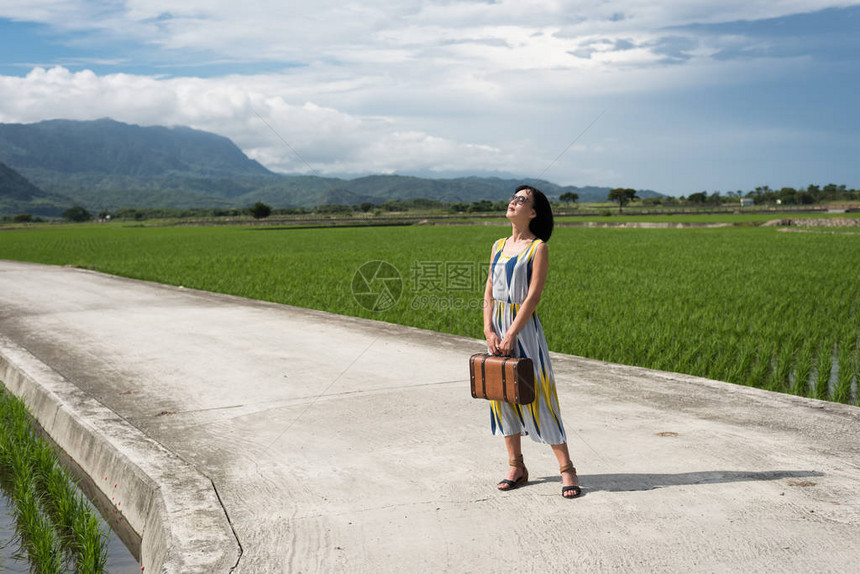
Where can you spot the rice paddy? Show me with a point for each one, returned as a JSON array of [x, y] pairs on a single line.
[[56, 527], [747, 305]]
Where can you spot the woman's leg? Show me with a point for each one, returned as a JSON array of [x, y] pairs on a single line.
[[568, 478], [515, 450]]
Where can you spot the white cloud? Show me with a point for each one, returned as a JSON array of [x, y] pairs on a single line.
[[385, 31], [42, 11], [406, 85], [280, 134]]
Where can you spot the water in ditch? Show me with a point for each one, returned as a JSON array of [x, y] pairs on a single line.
[[14, 561]]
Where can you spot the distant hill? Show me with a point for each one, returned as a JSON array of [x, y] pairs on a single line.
[[105, 164], [15, 186], [113, 148], [18, 195], [464, 189]]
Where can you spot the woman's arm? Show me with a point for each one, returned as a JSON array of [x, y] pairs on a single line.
[[489, 332], [540, 265]]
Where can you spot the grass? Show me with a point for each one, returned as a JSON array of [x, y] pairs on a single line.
[[55, 524], [746, 305]]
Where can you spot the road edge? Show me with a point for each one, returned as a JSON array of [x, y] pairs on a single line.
[[171, 505]]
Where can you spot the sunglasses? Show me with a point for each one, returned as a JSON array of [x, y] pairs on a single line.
[[521, 199]]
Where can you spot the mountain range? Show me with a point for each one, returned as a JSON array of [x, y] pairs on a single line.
[[48, 166]]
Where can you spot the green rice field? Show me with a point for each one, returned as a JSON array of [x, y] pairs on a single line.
[[56, 527], [747, 305]]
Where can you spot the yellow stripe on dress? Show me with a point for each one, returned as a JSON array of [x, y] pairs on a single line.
[[534, 410], [497, 412], [532, 248]]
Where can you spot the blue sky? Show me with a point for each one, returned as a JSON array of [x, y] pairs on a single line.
[[689, 96]]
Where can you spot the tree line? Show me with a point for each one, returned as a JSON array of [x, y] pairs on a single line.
[[763, 195]]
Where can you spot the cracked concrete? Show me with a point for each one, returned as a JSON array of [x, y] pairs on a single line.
[[340, 444]]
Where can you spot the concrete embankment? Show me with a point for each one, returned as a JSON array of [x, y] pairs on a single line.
[[171, 506], [336, 444]]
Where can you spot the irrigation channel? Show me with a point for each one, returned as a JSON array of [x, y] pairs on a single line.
[[47, 524], [14, 561]]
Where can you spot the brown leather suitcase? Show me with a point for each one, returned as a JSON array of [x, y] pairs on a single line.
[[497, 378]]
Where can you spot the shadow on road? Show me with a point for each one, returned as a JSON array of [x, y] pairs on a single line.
[[634, 482]]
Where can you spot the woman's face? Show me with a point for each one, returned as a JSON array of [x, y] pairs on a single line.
[[521, 207]]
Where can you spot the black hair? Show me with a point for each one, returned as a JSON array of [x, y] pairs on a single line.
[[542, 223]]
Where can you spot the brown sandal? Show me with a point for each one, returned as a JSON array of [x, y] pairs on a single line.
[[512, 484], [575, 489]]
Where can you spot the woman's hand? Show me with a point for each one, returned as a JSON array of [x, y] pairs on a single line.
[[506, 345], [503, 346], [492, 342]]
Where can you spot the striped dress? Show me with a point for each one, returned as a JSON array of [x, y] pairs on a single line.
[[541, 420]]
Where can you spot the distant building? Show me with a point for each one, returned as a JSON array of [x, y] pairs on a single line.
[[746, 201]]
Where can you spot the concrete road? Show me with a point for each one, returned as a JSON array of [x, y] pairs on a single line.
[[286, 440]]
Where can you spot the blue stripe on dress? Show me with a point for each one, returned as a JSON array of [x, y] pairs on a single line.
[[519, 411], [496, 259], [529, 272], [509, 273]]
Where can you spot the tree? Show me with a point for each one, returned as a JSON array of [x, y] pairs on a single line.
[[832, 191], [787, 195], [341, 209], [622, 196], [763, 194], [260, 210], [569, 197], [700, 197], [481, 205], [805, 198], [77, 213]]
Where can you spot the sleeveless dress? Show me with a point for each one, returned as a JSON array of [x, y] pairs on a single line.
[[541, 420]]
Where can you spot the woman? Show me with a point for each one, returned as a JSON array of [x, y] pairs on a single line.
[[517, 275]]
